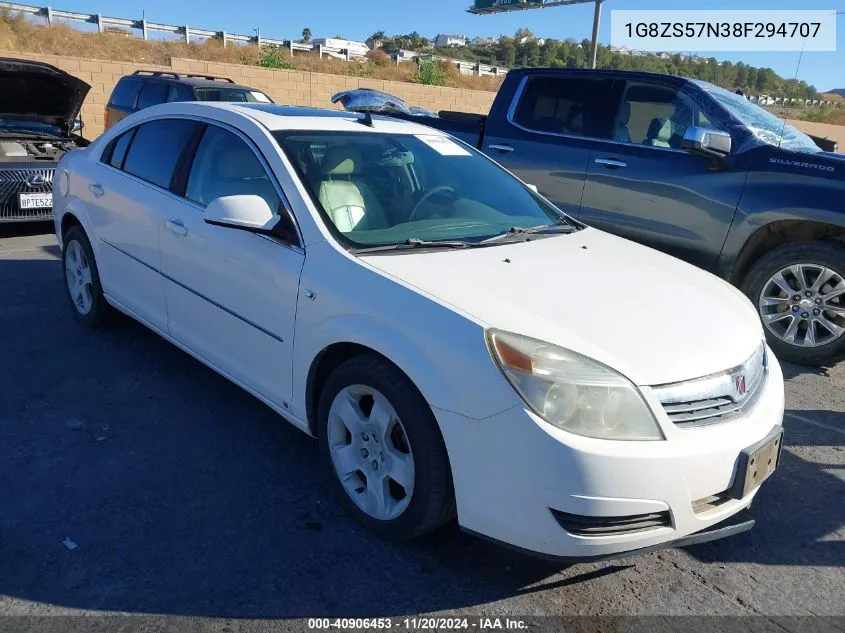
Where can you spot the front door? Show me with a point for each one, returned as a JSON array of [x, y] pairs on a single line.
[[230, 294], [643, 186]]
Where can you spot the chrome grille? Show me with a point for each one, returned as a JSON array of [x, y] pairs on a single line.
[[717, 398], [13, 182]]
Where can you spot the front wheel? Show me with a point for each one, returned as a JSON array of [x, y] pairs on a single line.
[[799, 292], [384, 449]]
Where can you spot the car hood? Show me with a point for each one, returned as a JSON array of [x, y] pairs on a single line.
[[33, 91], [650, 316]]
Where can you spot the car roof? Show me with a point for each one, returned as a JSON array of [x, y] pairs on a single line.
[[288, 117], [194, 82], [598, 72]]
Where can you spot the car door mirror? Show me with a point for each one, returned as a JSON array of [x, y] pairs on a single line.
[[246, 213], [78, 124], [702, 140]]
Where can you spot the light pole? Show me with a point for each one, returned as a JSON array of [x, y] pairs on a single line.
[[595, 47]]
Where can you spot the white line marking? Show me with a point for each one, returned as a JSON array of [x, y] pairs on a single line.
[[806, 420]]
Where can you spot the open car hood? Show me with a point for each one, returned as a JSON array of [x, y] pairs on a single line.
[[33, 91]]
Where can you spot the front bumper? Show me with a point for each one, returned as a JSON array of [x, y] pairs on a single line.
[[512, 470]]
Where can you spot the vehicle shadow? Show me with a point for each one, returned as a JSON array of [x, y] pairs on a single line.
[[26, 229], [186, 496]]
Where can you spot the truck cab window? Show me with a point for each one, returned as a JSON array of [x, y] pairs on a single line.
[[656, 116], [559, 105]]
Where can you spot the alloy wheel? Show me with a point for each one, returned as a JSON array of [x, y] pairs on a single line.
[[370, 452], [78, 277], [804, 305]]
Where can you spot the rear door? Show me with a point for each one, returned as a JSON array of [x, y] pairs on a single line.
[[545, 137], [127, 199], [642, 185]]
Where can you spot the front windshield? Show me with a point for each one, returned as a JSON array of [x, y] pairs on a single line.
[[765, 126], [379, 189], [232, 94]]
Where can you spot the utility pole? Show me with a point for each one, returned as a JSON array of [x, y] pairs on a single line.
[[595, 47]]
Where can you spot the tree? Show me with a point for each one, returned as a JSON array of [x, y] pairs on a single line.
[[306, 34], [523, 33], [506, 52], [530, 57], [378, 35]]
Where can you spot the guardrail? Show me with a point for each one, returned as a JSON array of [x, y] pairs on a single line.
[[105, 24], [144, 27]]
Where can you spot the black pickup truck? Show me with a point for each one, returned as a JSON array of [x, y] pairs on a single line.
[[690, 169]]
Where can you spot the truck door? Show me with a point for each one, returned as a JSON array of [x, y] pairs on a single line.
[[642, 185], [544, 136]]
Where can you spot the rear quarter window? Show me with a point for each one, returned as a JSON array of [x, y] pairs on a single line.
[[153, 93], [125, 92]]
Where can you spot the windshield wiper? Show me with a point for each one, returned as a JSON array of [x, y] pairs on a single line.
[[518, 230], [413, 243]]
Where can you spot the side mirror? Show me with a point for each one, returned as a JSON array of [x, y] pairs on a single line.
[[532, 187], [78, 124], [702, 140], [247, 213]]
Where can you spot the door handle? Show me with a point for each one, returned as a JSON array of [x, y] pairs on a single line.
[[501, 148], [610, 163], [96, 189], [176, 227]]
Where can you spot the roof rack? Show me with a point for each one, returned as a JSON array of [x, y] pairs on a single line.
[[157, 73], [211, 77]]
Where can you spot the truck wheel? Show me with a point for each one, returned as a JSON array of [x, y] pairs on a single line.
[[799, 291], [384, 450]]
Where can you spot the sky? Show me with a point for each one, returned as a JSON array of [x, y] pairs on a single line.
[[357, 19]]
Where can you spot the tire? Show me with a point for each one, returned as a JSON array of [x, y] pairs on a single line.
[[86, 297], [809, 260], [431, 503]]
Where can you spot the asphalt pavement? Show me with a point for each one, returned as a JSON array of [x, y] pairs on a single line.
[[190, 502]]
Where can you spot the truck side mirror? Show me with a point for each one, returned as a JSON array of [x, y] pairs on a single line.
[[702, 140]]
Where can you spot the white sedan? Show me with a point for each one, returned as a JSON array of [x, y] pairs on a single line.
[[459, 346]]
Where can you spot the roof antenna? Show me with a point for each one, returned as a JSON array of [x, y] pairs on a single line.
[[367, 120]]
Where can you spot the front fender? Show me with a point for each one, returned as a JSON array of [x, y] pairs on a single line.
[[775, 197], [444, 353]]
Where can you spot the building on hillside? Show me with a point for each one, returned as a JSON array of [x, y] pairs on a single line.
[[484, 42], [356, 49], [374, 42], [527, 38], [449, 41], [622, 50]]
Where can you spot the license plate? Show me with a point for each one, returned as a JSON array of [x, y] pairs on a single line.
[[35, 201], [757, 463]]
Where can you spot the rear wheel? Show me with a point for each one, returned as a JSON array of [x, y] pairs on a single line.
[[82, 280], [799, 292], [384, 450]]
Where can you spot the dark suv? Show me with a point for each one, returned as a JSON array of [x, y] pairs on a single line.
[[145, 88]]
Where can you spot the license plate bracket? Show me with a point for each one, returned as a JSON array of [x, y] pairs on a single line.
[[28, 201], [757, 463]]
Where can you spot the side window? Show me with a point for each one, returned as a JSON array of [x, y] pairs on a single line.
[[153, 93], [156, 149], [225, 165], [125, 92], [116, 151], [561, 105], [657, 116], [177, 92]]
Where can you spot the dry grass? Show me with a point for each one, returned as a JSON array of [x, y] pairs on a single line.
[[19, 34]]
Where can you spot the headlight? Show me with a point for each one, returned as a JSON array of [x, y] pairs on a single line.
[[573, 392]]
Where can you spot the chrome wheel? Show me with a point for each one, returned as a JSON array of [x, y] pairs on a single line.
[[78, 277], [370, 452], [804, 305]]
